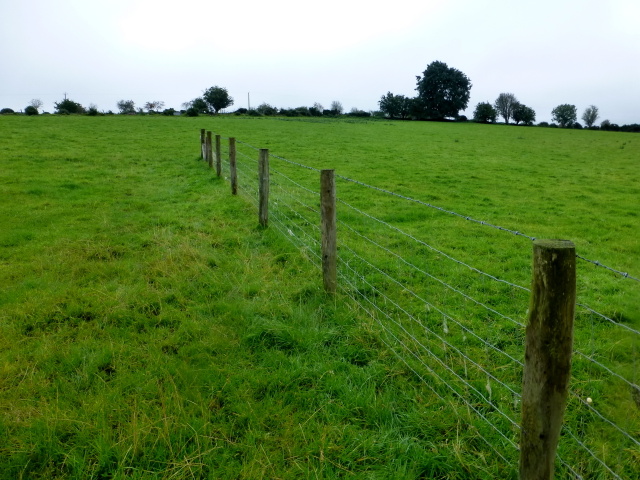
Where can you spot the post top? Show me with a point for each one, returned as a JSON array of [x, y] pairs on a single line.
[[555, 244]]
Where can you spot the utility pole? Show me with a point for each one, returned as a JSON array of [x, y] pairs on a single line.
[[249, 99]]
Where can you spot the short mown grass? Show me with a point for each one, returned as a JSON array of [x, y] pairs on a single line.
[[150, 329]]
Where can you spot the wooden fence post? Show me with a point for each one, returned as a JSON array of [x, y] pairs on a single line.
[[218, 159], [207, 150], [548, 349], [328, 227], [232, 166], [263, 179], [202, 152]]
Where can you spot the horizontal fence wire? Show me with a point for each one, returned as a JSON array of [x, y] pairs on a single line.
[[458, 328], [449, 212]]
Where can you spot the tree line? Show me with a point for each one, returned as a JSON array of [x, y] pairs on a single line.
[[444, 91]]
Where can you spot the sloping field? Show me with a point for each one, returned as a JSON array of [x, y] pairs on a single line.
[[150, 329]]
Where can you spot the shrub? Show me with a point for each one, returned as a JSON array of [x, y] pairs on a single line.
[[169, 112], [93, 111], [6, 111], [68, 106], [543, 124], [31, 110], [241, 111], [266, 109], [358, 113], [192, 112]]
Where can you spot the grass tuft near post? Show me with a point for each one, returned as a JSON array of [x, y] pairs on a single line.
[[263, 180], [549, 340], [328, 226]]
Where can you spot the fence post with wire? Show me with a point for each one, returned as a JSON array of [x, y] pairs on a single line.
[[457, 323], [328, 227], [548, 350]]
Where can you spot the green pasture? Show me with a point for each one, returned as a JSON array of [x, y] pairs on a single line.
[[150, 329]]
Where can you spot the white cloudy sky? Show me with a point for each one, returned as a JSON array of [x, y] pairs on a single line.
[[292, 53]]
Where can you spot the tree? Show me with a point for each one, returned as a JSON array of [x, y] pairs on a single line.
[[442, 92], [565, 115], [316, 110], [36, 103], [154, 106], [92, 110], [336, 107], [505, 104], [126, 106], [524, 114], [590, 116], [217, 98], [31, 110], [395, 106], [485, 113], [68, 106]]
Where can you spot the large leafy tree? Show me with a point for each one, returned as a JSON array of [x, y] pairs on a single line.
[[505, 104], [442, 92], [565, 115], [485, 113], [524, 114], [217, 98], [395, 106], [590, 116]]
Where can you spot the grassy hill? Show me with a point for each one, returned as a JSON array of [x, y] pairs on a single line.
[[150, 329]]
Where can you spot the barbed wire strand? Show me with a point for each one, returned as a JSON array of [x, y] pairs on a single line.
[[434, 356], [449, 212], [588, 450], [602, 417], [295, 163], [432, 371], [589, 309], [595, 362], [434, 307], [422, 242], [598, 264], [450, 287], [317, 194]]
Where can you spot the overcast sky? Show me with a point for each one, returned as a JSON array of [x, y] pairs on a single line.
[[293, 53]]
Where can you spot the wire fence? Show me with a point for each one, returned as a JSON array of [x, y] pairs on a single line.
[[454, 313]]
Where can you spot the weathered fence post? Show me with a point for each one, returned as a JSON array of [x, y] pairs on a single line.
[[328, 227], [263, 180], [207, 150], [202, 152], [233, 174], [218, 159], [548, 349]]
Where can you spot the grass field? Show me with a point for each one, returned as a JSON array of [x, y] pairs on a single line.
[[149, 329]]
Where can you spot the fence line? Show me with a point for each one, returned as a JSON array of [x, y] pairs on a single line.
[[419, 335], [449, 212]]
